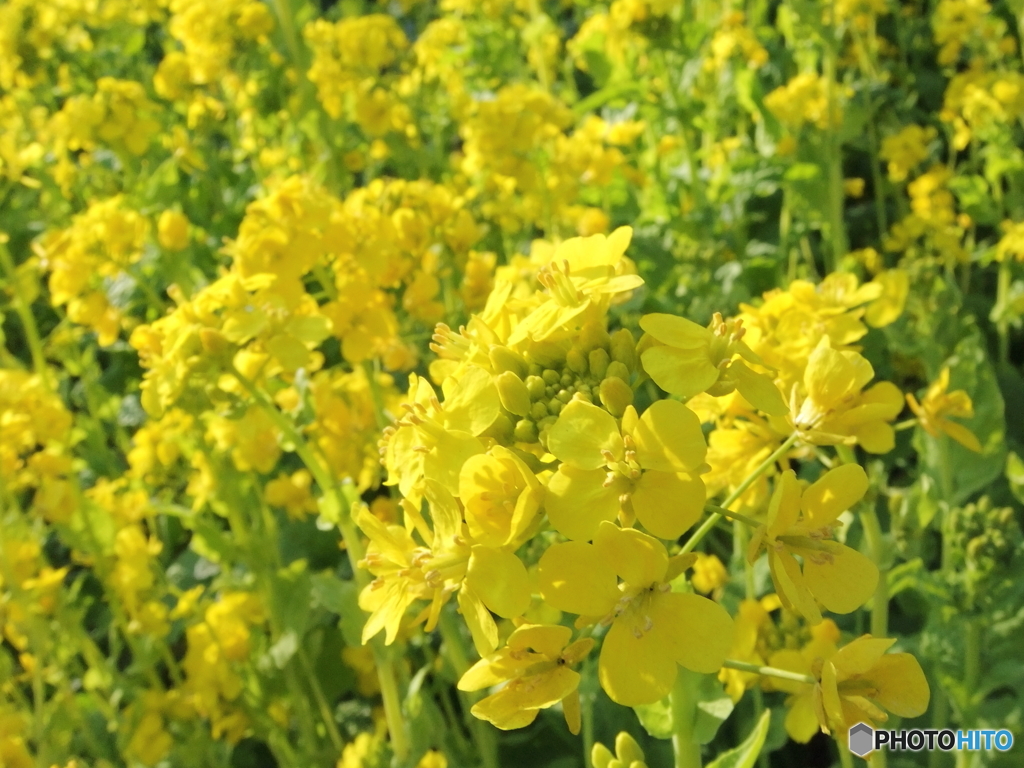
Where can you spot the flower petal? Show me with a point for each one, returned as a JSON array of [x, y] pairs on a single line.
[[901, 685], [575, 578], [473, 404], [668, 504], [675, 331], [577, 500], [789, 584], [546, 639], [700, 631], [480, 622], [784, 507], [844, 584], [635, 670], [682, 372], [499, 578], [639, 560], [759, 389], [582, 433], [860, 656], [834, 493], [669, 438]]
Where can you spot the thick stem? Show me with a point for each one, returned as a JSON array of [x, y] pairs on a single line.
[[684, 713], [1002, 325]]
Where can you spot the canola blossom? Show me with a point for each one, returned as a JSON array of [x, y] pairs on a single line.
[[475, 384]]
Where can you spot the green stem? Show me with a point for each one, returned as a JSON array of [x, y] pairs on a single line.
[[876, 543], [763, 467], [455, 650], [1002, 326], [756, 669], [354, 547], [684, 713], [28, 321]]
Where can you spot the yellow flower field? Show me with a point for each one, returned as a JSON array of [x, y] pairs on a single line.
[[499, 383]]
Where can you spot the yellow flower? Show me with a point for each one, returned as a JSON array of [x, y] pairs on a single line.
[[801, 721], [800, 523], [752, 619], [709, 574], [652, 628], [501, 497], [486, 578], [861, 682], [938, 405], [692, 359], [906, 150], [648, 469], [1012, 241], [835, 409], [582, 277], [537, 663], [889, 306]]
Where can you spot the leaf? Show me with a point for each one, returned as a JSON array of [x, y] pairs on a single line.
[[713, 708], [656, 718], [745, 755], [282, 651]]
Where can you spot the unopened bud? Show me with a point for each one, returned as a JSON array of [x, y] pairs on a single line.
[[600, 756], [535, 385], [599, 362], [504, 359], [515, 397], [538, 411], [624, 348], [593, 335], [525, 431], [555, 406], [617, 370], [627, 749], [576, 361], [616, 395], [500, 429], [551, 376]]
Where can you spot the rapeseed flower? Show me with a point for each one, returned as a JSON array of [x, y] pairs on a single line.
[[652, 628], [938, 405], [800, 523]]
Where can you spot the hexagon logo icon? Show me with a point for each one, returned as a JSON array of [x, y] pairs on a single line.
[[862, 739]]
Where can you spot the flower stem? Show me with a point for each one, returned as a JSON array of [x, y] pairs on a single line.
[[354, 547], [1002, 295], [28, 321], [763, 467], [455, 650], [756, 669], [684, 712]]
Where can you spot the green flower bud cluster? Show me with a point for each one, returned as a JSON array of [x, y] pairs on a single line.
[[627, 754], [986, 547], [600, 368]]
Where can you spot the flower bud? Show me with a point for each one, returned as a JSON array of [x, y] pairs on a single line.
[[593, 335], [555, 406], [500, 429], [576, 361], [515, 397], [504, 359], [535, 386], [600, 756], [617, 370], [599, 362], [616, 395], [627, 749], [551, 376], [525, 431], [538, 411], [624, 348]]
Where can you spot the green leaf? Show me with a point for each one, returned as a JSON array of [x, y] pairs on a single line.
[[745, 755], [713, 708], [656, 718]]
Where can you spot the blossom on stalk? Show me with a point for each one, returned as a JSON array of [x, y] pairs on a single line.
[[537, 665], [647, 468], [938, 405], [692, 359], [800, 523], [652, 628]]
